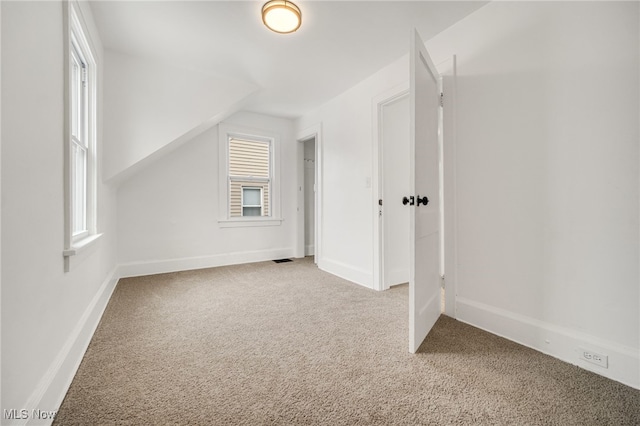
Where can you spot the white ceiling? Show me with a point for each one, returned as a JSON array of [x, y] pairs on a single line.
[[339, 44]]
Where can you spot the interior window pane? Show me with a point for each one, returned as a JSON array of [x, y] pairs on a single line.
[[75, 96], [251, 211], [251, 197], [248, 158], [79, 190]]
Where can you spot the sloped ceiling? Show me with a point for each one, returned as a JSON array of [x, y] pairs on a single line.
[[339, 44]]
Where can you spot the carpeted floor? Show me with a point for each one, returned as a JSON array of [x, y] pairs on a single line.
[[288, 344]]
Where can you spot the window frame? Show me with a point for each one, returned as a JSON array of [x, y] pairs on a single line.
[[78, 46], [226, 131]]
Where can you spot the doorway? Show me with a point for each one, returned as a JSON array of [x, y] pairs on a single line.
[[394, 175], [309, 195], [309, 188], [447, 172], [393, 183]]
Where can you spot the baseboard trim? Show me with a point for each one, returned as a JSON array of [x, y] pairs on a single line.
[[347, 272], [52, 388], [558, 342], [136, 269]]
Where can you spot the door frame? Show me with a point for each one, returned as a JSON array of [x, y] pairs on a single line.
[[313, 132], [448, 71], [378, 103]]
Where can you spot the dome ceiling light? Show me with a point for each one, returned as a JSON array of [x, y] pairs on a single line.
[[281, 16]]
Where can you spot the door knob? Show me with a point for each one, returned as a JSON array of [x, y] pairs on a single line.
[[409, 200], [423, 200]]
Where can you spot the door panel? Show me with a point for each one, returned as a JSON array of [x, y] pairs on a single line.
[[424, 256]]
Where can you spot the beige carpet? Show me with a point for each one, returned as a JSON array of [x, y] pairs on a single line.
[[287, 344]]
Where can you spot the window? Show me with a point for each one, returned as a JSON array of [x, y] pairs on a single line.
[[79, 141], [81, 131], [248, 177]]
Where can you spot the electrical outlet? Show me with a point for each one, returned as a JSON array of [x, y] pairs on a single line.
[[594, 358]]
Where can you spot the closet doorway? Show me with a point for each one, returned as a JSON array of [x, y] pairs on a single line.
[[309, 196], [309, 218]]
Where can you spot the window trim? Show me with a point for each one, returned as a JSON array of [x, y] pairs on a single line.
[[77, 36], [226, 131]]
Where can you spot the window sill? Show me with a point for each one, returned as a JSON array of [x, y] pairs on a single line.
[[81, 245], [241, 222]]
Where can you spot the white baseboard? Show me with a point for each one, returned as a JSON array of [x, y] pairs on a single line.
[[558, 342], [52, 388], [347, 272], [153, 267]]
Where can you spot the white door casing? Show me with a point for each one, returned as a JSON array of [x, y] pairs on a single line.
[[424, 220]]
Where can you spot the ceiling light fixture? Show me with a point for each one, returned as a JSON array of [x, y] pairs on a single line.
[[281, 16]]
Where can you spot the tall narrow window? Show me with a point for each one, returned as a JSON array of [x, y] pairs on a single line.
[[249, 177], [79, 141], [81, 134]]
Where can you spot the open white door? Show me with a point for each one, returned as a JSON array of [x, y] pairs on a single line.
[[423, 202]]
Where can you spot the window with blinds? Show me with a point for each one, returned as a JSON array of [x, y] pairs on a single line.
[[249, 177]]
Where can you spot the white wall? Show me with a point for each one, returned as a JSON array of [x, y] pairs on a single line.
[[547, 170], [168, 212], [47, 315], [151, 104], [547, 148], [347, 200]]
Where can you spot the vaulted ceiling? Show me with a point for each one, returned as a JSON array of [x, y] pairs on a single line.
[[339, 44]]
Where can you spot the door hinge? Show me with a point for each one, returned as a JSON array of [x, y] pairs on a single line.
[[441, 99]]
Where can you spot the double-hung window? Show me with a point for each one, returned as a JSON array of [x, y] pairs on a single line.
[[81, 134], [249, 188], [79, 143], [249, 176]]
